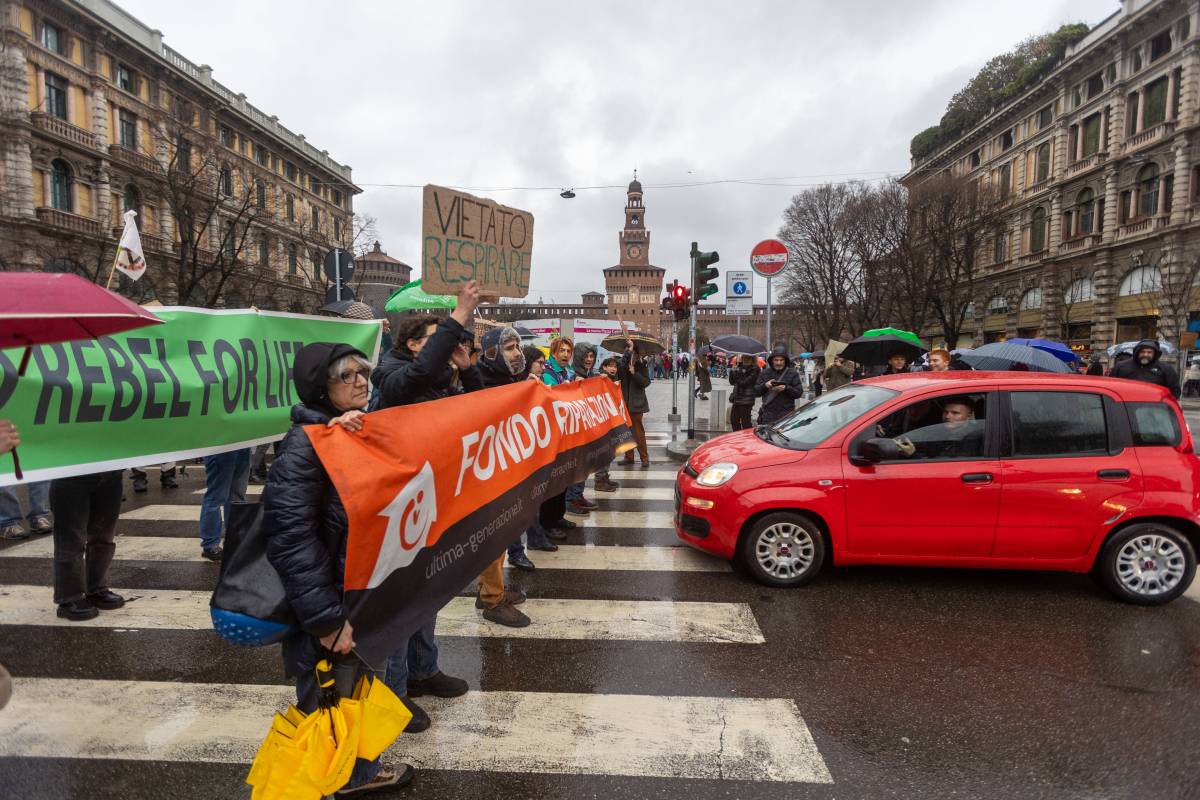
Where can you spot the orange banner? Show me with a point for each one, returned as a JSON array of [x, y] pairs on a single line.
[[435, 491]]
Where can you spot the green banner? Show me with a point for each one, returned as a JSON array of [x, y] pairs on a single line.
[[201, 383]]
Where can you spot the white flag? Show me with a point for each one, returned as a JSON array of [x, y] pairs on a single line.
[[129, 252]]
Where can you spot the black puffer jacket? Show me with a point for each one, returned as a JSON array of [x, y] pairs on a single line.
[[633, 384], [403, 379], [777, 405], [743, 380], [1154, 372]]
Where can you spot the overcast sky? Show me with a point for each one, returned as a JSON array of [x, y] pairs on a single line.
[[574, 94]]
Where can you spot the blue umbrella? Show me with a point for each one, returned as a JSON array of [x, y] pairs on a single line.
[[1003, 356], [1056, 349]]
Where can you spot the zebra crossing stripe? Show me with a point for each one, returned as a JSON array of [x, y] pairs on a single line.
[[726, 738], [597, 519], [607, 620], [644, 474], [593, 557], [624, 493]]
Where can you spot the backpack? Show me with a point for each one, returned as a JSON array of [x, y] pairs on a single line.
[[249, 606]]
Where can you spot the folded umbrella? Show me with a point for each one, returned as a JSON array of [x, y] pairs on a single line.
[[1057, 349], [1003, 356], [742, 345], [874, 351]]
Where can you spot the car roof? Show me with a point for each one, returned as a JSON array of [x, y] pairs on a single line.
[[967, 381]]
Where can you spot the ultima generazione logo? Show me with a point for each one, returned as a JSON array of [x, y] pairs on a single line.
[[410, 516]]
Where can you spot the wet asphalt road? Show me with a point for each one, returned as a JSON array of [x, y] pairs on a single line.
[[912, 683]]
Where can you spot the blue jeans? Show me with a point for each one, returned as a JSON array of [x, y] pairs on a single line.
[[575, 491], [345, 677], [225, 476], [536, 536], [10, 504], [417, 660]]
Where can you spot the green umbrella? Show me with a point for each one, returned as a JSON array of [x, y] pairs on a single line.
[[907, 336], [410, 296]]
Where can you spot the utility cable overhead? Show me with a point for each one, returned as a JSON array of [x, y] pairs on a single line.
[[770, 181]]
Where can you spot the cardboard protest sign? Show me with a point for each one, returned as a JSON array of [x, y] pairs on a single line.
[[204, 382], [469, 238], [436, 491]]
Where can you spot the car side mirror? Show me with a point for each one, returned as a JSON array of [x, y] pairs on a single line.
[[872, 451]]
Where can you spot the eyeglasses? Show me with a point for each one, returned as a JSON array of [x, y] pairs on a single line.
[[350, 376]]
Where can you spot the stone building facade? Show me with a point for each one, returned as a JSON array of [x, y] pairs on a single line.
[[1099, 166], [98, 116]]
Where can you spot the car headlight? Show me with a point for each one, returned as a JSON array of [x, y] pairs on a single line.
[[717, 474]]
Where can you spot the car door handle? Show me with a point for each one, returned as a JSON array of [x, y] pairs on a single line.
[[1113, 474], [977, 477]]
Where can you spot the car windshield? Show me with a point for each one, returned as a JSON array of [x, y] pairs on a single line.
[[812, 424]]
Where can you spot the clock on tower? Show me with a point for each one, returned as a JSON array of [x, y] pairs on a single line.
[[635, 239]]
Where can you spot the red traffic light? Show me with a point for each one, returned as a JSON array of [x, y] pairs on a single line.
[[679, 292]]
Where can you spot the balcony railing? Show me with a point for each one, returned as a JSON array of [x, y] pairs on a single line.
[[1085, 163], [64, 130], [132, 158], [1031, 258], [1079, 243], [1149, 136], [1143, 225], [68, 221]]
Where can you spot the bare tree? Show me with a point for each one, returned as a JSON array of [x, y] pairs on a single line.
[[820, 242], [1177, 291], [1071, 287]]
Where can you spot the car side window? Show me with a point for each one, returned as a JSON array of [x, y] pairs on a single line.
[[938, 429], [1058, 424], [1154, 424]]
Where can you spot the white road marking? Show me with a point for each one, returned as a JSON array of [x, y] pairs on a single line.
[[251, 489], [604, 620], [549, 732], [597, 519], [596, 557], [637, 493], [644, 474]]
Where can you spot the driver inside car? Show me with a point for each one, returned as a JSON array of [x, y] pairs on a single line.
[[959, 435]]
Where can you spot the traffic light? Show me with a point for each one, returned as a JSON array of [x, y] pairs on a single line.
[[681, 299], [703, 273]]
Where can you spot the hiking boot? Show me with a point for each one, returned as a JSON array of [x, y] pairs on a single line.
[[168, 479], [545, 547], [384, 781], [106, 600], [211, 553], [590, 505], [139, 484], [521, 561], [557, 534], [507, 615], [511, 596], [420, 720], [439, 685], [40, 525], [605, 485], [13, 532], [574, 507], [78, 610], [563, 524]]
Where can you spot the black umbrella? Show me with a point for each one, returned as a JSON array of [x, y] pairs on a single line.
[[647, 345], [1002, 356], [337, 307], [874, 351], [742, 345]]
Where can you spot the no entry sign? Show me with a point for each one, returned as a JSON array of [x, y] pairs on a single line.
[[769, 257]]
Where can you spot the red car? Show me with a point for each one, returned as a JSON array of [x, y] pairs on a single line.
[[958, 469]]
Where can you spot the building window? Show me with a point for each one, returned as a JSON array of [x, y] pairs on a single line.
[[56, 95], [131, 200], [1043, 162], [264, 252], [228, 246], [260, 154], [1079, 292], [289, 170], [226, 182], [1148, 190], [1091, 135], [1045, 117], [1131, 112], [337, 229], [314, 185], [1160, 45], [1156, 103], [126, 79], [61, 180], [291, 259], [1085, 205], [127, 124], [1126, 210], [1000, 248], [183, 153], [52, 38], [337, 198], [974, 159], [1137, 60], [1031, 300], [1005, 179], [1141, 280], [1095, 86], [1006, 140], [260, 194], [225, 135], [291, 208], [997, 305], [316, 219], [1037, 231]]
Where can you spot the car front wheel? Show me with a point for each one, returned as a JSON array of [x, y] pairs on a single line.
[[1148, 564], [783, 549]]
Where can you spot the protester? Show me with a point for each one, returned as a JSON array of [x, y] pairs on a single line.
[[305, 525], [1191, 386], [166, 477], [897, 364], [838, 374], [558, 371], [939, 360], [10, 507], [1145, 366], [634, 380], [610, 369], [85, 509], [743, 378], [779, 386], [550, 512], [581, 364], [429, 360], [703, 379], [1095, 365], [502, 363], [225, 478]]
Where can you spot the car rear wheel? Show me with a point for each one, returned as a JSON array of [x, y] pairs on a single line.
[[1147, 564], [783, 549]]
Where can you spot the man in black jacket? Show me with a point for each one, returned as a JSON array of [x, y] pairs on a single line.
[[417, 369], [743, 378], [1145, 366], [779, 386]]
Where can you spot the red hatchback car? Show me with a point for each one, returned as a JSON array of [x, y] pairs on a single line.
[[959, 469]]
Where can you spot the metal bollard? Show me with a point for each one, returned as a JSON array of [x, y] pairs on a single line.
[[718, 410]]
